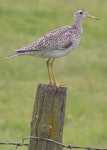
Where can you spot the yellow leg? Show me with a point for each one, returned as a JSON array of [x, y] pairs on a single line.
[[52, 71], [49, 71]]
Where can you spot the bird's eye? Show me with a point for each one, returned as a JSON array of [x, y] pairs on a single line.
[[81, 12]]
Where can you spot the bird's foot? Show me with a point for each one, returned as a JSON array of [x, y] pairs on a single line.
[[57, 85]]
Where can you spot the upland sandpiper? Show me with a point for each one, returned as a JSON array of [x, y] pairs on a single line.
[[56, 43]]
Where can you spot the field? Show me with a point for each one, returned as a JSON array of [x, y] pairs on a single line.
[[84, 72]]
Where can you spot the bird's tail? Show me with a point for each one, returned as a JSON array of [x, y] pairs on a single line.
[[20, 52], [13, 55]]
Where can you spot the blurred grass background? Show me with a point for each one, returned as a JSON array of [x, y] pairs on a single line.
[[84, 72]]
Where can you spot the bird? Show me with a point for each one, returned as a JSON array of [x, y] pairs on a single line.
[[56, 43]]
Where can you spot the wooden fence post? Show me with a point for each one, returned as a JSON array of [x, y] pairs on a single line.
[[48, 117]]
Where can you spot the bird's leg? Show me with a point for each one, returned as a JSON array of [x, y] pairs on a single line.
[[52, 71], [49, 70]]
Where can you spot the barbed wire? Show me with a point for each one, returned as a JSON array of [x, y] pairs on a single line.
[[13, 144], [17, 145]]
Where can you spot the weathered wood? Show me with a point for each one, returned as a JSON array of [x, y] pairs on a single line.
[[48, 117]]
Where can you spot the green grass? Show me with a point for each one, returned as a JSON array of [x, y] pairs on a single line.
[[84, 72]]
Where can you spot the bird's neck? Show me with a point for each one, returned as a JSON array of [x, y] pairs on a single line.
[[78, 24]]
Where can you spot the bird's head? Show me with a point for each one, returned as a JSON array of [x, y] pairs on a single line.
[[82, 14]]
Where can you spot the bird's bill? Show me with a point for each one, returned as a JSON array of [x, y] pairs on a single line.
[[92, 17]]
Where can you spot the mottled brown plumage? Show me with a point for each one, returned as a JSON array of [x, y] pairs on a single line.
[[57, 43]]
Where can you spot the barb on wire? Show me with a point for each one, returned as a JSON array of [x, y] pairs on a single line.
[[14, 144]]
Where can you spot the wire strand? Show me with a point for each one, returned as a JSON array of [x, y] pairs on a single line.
[[49, 140]]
